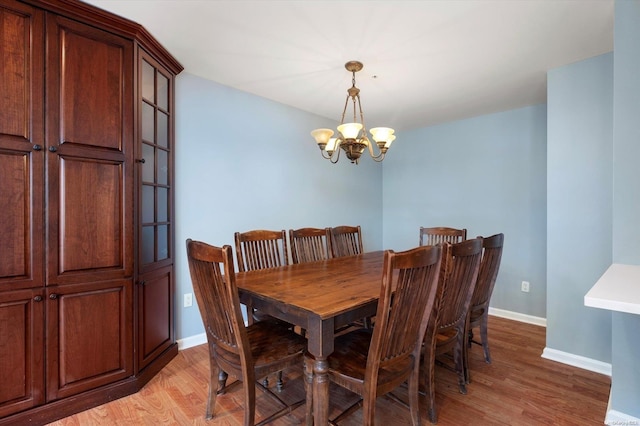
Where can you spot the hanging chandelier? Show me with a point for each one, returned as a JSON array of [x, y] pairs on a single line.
[[352, 137]]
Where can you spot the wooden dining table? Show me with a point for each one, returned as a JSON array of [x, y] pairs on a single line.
[[319, 297]]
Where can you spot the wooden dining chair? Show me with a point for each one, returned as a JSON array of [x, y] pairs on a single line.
[[346, 241], [446, 332], [374, 362], [246, 353], [436, 235], [479, 309], [260, 249], [310, 244]]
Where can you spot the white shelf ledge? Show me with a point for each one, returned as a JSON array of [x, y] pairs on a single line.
[[618, 289]]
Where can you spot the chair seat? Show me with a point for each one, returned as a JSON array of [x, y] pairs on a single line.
[[273, 342], [348, 362]]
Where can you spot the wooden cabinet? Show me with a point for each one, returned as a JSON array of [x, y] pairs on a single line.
[[80, 172]]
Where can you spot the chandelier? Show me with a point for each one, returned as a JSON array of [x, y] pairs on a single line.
[[352, 137]]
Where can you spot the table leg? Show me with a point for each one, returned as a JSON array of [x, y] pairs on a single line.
[[320, 391]]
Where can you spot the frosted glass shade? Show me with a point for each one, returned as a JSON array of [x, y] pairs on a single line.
[[389, 140], [322, 135], [350, 130], [331, 145], [381, 134]]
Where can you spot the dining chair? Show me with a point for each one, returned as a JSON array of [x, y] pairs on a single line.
[[441, 234], [479, 309], [346, 241], [446, 332], [310, 244], [374, 362], [261, 249], [247, 353]]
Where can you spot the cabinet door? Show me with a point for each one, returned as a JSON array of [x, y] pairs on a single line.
[[21, 144], [89, 153], [89, 332], [155, 211], [155, 315], [21, 350]]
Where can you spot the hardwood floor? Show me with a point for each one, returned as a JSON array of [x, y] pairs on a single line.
[[518, 388]]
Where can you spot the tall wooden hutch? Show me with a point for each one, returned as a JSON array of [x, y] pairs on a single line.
[[86, 208]]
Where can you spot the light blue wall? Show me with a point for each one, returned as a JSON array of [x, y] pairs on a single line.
[[243, 162], [625, 383], [486, 174], [579, 200]]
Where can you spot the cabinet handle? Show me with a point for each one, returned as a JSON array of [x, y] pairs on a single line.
[[53, 296], [38, 298], [53, 149], [142, 282], [141, 161], [37, 147]]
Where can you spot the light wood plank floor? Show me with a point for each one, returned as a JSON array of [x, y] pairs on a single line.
[[518, 388]]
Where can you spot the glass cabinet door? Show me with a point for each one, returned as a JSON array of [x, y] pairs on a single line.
[[156, 192], [155, 289]]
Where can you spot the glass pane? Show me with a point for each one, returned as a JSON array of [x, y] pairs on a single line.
[[163, 92], [163, 130], [147, 204], [147, 81], [163, 167], [163, 242], [148, 244], [149, 164], [163, 205], [147, 122]]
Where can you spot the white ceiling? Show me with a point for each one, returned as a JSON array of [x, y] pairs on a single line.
[[425, 61]]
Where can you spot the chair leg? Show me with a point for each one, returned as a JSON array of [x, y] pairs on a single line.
[[483, 334], [222, 382], [249, 401], [414, 382], [213, 388], [459, 360], [279, 382], [429, 364]]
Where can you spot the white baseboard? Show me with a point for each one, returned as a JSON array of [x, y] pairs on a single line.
[[529, 319], [614, 417], [577, 361], [191, 341]]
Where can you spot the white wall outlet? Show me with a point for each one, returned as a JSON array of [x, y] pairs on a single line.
[[525, 286], [188, 300]]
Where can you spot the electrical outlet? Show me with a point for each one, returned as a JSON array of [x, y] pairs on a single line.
[[525, 286], [188, 300]]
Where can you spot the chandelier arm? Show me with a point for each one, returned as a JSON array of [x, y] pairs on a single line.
[[378, 157], [334, 153]]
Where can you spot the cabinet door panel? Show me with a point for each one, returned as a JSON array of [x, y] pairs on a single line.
[[90, 336], [155, 314], [90, 153], [21, 349], [91, 220], [21, 166]]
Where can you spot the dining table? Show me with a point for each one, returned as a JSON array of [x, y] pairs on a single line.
[[319, 297]]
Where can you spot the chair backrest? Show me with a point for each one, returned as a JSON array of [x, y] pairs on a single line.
[[346, 241], [310, 244], [458, 279], [489, 266], [437, 235], [407, 297], [261, 249], [214, 285]]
